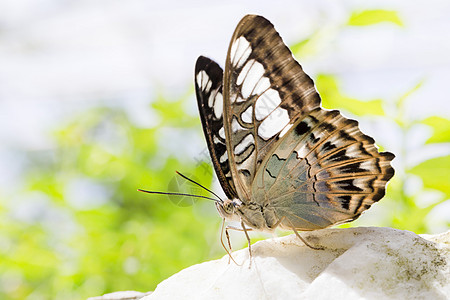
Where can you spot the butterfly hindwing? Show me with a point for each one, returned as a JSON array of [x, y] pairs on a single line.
[[208, 88], [324, 171], [265, 91]]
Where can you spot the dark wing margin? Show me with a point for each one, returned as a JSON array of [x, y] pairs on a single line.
[[208, 89], [294, 86]]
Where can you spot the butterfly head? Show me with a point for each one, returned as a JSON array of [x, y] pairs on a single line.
[[227, 209]]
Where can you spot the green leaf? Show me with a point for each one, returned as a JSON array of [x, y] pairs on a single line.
[[375, 16], [435, 173], [333, 98], [441, 129]]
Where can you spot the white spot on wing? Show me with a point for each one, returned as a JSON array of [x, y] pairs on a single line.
[[222, 133], [360, 182], [367, 165], [320, 134], [274, 123], [216, 140], [208, 86], [211, 99], [235, 126], [218, 106], [285, 129], [240, 50], [254, 75], [246, 116], [203, 81], [262, 85], [223, 158], [246, 141], [302, 151], [353, 151], [244, 72], [334, 139], [309, 121], [266, 103]]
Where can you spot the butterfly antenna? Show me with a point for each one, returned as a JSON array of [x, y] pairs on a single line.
[[194, 182], [177, 194]]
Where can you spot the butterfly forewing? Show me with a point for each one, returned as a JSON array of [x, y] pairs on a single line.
[[265, 91], [208, 88]]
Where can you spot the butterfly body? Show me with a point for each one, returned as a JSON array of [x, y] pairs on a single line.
[[282, 160], [252, 214]]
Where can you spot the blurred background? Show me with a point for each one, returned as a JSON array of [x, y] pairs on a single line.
[[97, 100]]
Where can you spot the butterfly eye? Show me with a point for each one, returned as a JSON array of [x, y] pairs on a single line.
[[228, 206]]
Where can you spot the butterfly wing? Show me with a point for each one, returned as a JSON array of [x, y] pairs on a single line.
[[273, 145], [208, 88], [324, 171], [265, 91]]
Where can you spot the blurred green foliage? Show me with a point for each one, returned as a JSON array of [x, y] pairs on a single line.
[[374, 16], [440, 127], [79, 244], [130, 240], [332, 97]]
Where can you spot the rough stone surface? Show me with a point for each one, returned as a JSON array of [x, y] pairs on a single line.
[[369, 263]]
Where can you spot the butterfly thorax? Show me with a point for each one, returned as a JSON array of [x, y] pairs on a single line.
[[252, 214]]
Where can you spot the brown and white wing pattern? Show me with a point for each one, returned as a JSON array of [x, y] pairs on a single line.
[[324, 171], [274, 148], [265, 91], [208, 88]]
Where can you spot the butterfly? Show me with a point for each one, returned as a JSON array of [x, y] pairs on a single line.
[[281, 159]]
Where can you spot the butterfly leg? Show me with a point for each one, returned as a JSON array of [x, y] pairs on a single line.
[[249, 244], [305, 242], [245, 230], [228, 240], [229, 244]]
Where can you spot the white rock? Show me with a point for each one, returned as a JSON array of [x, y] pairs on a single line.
[[369, 263]]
